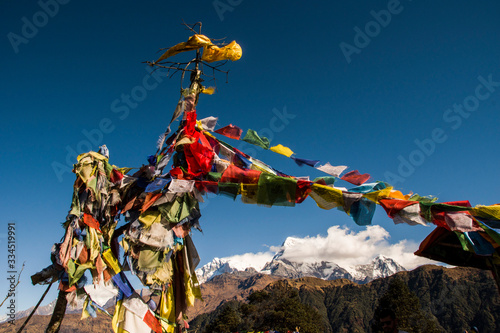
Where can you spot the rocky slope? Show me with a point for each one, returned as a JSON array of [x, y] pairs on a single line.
[[457, 298]]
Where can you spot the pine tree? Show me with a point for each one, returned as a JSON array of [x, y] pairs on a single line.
[[228, 319], [279, 309], [406, 306]]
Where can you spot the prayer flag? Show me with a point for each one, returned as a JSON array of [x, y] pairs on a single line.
[[231, 131], [282, 150], [354, 177], [253, 138]]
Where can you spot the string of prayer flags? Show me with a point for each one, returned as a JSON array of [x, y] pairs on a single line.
[[252, 137]]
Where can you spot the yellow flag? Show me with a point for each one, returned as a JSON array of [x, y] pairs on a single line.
[[208, 90], [149, 217], [375, 195], [249, 193], [231, 51], [326, 197], [118, 317], [398, 195], [111, 261], [167, 310], [193, 43], [85, 313], [93, 154], [491, 212], [282, 150], [124, 170]]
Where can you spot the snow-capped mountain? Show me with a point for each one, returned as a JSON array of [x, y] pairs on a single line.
[[380, 266], [220, 266], [323, 270]]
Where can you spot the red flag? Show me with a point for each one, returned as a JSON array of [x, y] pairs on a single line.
[[439, 212], [115, 176], [302, 191], [207, 186], [231, 131], [234, 174], [150, 200], [394, 206], [129, 205], [91, 221], [199, 156], [354, 177], [152, 322], [189, 128]]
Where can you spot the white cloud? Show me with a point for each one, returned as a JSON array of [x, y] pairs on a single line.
[[341, 246], [255, 260], [347, 248]]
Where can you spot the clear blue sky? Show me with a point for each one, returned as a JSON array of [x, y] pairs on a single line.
[[370, 84]]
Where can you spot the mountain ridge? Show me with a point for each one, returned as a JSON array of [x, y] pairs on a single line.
[[380, 266]]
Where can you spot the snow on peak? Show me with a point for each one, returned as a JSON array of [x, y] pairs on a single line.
[[341, 253], [380, 266], [231, 264], [291, 242]]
